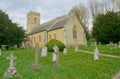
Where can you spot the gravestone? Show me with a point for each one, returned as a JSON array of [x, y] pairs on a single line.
[[99, 43], [65, 51], [15, 46], [115, 45], [95, 44], [54, 57], [92, 43], [56, 51], [96, 54], [11, 71], [76, 45], [111, 44], [0, 51], [119, 46], [36, 64], [44, 51]]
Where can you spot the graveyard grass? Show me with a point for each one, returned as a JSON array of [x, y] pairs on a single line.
[[73, 66]]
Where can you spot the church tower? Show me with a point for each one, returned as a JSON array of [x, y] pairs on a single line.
[[33, 20]]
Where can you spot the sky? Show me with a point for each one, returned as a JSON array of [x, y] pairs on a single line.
[[49, 9]]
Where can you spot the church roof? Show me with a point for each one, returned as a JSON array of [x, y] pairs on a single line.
[[56, 23]]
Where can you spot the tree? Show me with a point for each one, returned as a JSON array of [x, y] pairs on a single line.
[[81, 13], [10, 33], [106, 27], [118, 4]]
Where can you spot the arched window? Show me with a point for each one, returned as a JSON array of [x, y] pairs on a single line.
[[35, 19], [74, 32], [39, 38]]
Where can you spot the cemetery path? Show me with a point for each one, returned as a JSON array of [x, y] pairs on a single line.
[[117, 76], [99, 54]]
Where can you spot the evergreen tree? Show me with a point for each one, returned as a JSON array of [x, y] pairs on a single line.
[[106, 27], [10, 33]]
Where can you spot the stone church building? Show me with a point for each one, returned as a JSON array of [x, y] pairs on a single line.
[[66, 29]]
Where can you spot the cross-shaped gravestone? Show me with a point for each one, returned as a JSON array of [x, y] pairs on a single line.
[[44, 51], [11, 61], [64, 51], [11, 71], [96, 54], [36, 65], [0, 51], [56, 51]]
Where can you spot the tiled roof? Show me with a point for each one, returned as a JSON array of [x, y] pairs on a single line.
[[56, 23]]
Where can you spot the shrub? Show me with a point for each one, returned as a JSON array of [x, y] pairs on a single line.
[[53, 42]]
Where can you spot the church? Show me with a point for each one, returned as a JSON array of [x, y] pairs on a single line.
[[66, 29]]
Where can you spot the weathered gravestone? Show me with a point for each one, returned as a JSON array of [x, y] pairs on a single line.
[[76, 46], [36, 64], [111, 44], [65, 51], [95, 44], [11, 71], [44, 51], [0, 51], [96, 54], [115, 45], [56, 51], [99, 44], [15, 46], [54, 57]]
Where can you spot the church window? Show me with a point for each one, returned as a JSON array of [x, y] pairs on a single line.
[[35, 19], [39, 38], [75, 32]]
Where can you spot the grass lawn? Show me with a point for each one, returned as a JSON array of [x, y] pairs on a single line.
[[73, 66], [103, 49]]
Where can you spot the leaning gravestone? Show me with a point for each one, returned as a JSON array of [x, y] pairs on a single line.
[[36, 65], [96, 54], [56, 51], [65, 51], [11, 71], [44, 51], [0, 52]]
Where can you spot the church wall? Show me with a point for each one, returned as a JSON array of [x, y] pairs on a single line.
[[56, 34], [38, 39], [81, 39]]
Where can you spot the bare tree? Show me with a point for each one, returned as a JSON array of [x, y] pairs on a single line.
[[81, 12], [118, 4], [82, 15]]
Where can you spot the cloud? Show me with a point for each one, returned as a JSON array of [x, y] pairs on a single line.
[[49, 9]]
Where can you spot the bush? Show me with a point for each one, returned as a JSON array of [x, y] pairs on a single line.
[[53, 42]]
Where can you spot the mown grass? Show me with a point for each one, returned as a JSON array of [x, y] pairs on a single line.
[[73, 66], [103, 49]]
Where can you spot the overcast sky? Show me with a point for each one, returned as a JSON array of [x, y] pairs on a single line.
[[49, 9]]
